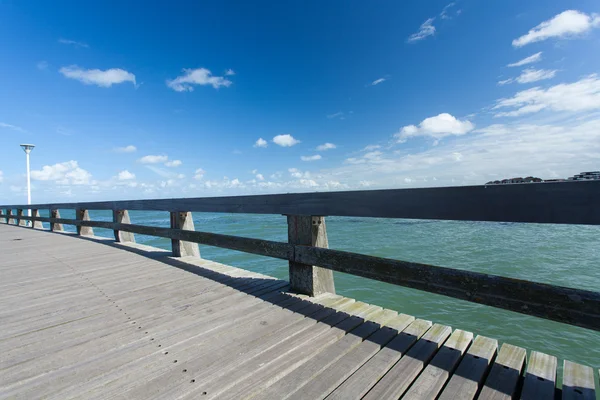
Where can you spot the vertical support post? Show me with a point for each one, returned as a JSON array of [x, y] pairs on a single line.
[[35, 224], [183, 220], [122, 217], [83, 215], [2, 218], [21, 222], [307, 279], [8, 216], [54, 226]]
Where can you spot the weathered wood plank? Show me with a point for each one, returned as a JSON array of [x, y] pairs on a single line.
[[540, 378], [304, 278], [559, 202], [578, 382], [371, 372], [468, 377], [122, 217], [395, 382], [503, 379], [432, 379]]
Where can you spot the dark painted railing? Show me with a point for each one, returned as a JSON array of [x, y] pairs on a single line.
[[311, 262]]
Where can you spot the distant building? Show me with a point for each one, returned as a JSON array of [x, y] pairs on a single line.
[[586, 176], [529, 179]]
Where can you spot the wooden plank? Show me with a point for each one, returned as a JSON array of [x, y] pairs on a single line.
[[122, 217], [395, 382], [304, 278], [432, 379], [540, 378], [334, 375], [503, 379], [556, 202], [567, 305], [371, 372], [471, 371], [578, 382]]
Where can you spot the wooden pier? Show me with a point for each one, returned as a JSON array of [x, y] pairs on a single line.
[[92, 318]]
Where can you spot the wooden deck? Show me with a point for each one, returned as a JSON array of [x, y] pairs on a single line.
[[88, 319]]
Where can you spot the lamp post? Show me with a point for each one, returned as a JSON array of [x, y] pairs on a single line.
[[27, 149]]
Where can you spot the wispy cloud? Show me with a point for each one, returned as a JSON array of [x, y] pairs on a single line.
[[444, 14], [200, 77], [73, 43], [98, 77], [378, 81], [338, 114], [426, 29], [311, 158], [530, 75], [42, 65], [173, 163], [527, 60], [153, 159], [127, 149], [12, 127], [229, 72], [568, 24], [260, 142], [286, 140], [326, 146]]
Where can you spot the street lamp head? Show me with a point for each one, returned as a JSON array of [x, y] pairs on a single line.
[[27, 148]]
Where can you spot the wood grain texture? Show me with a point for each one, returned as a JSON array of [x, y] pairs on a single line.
[[305, 278], [578, 382], [501, 384], [557, 202], [540, 379]]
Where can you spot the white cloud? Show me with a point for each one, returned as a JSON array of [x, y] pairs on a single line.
[[73, 43], [527, 60], [338, 114], [1, 176], [326, 146], [153, 159], [377, 81], [426, 29], [127, 149], [372, 147], [125, 176], [42, 65], [199, 76], [506, 81], [533, 75], [199, 174], [437, 127], [311, 158], [260, 177], [570, 23], [12, 127], [174, 163], [229, 72], [444, 13], [583, 95], [63, 173], [98, 77], [286, 140], [261, 143]]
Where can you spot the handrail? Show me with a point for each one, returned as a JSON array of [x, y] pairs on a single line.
[[572, 306], [551, 202]]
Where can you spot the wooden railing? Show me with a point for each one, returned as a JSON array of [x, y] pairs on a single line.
[[311, 262]]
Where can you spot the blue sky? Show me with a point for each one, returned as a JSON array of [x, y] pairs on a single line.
[[126, 100]]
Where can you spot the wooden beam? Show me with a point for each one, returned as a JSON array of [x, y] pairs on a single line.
[[183, 220], [55, 227], [83, 215], [306, 278], [36, 223], [122, 217], [21, 222], [552, 202]]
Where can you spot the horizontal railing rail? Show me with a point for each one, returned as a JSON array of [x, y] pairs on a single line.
[[311, 261], [552, 202]]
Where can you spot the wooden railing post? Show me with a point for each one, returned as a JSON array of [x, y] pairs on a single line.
[[183, 220], [83, 215], [21, 222], [122, 217], [307, 279], [55, 227], [35, 224]]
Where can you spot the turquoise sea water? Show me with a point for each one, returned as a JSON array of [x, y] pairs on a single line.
[[566, 255]]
